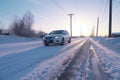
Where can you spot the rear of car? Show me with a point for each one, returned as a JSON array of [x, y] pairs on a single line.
[[57, 37]]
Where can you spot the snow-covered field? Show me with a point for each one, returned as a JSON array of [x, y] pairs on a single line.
[[83, 59]]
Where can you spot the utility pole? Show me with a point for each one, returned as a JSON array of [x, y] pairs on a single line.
[[97, 26], [70, 23], [110, 17], [92, 32], [80, 31]]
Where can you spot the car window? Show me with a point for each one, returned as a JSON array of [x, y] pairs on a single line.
[[50, 33], [66, 33], [57, 32]]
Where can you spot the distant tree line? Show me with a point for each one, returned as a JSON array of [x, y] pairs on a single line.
[[23, 26]]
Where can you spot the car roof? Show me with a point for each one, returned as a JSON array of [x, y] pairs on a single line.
[[59, 30]]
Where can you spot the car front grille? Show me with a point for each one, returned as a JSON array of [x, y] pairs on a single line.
[[48, 37]]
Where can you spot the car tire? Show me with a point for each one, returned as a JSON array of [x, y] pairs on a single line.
[[69, 40], [46, 44], [62, 41]]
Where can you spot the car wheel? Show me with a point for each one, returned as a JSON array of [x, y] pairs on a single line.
[[62, 41], [69, 40], [46, 44]]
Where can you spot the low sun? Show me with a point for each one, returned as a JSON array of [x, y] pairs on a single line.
[[80, 29]]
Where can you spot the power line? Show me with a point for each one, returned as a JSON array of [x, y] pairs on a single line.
[[105, 10], [117, 5], [113, 1], [100, 9], [57, 3]]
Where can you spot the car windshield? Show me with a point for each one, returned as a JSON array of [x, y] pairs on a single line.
[[57, 32]]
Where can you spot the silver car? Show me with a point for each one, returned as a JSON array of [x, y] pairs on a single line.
[[57, 37]]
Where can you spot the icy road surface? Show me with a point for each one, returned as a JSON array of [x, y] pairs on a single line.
[[17, 59], [82, 59], [84, 65]]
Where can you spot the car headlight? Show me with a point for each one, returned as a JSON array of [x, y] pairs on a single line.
[[57, 37]]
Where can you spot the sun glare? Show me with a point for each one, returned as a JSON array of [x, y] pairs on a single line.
[[81, 29]]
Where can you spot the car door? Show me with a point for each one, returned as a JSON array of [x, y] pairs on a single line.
[[66, 36]]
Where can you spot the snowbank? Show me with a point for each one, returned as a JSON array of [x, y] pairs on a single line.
[[110, 43], [108, 59]]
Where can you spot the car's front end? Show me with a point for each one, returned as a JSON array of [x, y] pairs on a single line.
[[52, 39]]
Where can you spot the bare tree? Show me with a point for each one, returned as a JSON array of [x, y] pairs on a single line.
[[28, 20], [17, 27], [22, 27]]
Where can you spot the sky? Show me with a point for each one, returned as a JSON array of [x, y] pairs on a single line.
[[52, 15]]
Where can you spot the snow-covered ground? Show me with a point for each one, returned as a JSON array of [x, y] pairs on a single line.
[[110, 43], [99, 62], [109, 59], [83, 59]]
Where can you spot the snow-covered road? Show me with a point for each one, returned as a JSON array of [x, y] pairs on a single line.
[[84, 65], [82, 59], [17, 59]]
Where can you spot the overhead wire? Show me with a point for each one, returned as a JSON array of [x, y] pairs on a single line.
[[100, 9], [116, 12], [117, 4], [113, 1], [58, 4], [105, 10]]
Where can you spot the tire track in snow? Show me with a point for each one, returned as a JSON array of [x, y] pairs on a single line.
[[97, 71], [84, 66], [70, 70], [49, 69]]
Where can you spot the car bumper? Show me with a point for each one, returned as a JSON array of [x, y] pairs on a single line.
[[52, 41]]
